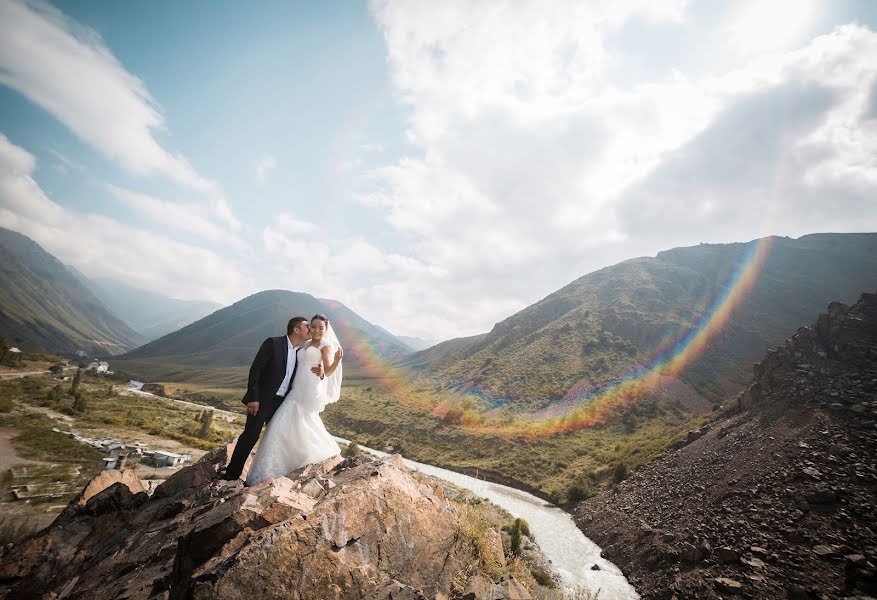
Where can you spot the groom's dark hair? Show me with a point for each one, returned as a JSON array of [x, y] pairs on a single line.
[[293, 323]]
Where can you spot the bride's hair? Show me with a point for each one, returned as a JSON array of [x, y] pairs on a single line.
[[321, 317]]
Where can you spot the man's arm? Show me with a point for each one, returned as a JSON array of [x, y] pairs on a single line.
[[263, 357]]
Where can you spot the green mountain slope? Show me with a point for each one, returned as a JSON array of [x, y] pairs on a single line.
[[605, 324], [44, 307], [231, 336]]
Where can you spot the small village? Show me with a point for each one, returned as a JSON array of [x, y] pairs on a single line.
[[42, 481], [41, 486]]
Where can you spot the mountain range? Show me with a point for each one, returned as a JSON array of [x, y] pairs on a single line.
[[44, 307], [149, 313], [607, 323]]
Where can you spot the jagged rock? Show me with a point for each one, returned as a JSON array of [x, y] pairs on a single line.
[[786, 473], [313, 488], [376, 532], [727, 555], [496, 547], [759, 551], [690, 553], [477, 588], [694, 435], [107, 478], [728, 585], [822, 497], [511, 589], [824, 550], [395, 590]]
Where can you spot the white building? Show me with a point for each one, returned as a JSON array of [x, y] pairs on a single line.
[[163, 458], [99, 367]]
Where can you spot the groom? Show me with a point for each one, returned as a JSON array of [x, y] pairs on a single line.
[[271, 377]]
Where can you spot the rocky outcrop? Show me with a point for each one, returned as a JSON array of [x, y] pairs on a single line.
[[356, 528], [777, 501], [155, 388]]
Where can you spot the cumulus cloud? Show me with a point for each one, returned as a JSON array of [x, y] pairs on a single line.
[[68, 70], [536, 166], [102, 246], [791, 153], [377, 283]]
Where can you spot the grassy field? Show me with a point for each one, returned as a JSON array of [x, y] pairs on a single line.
[[563, 467], [148, 369], [104, 408]]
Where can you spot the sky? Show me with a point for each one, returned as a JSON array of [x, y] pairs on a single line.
[[434, 166]]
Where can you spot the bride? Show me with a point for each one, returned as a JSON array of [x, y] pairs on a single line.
[[295, 435]]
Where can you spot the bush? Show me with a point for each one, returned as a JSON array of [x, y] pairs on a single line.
[[454, 415], [576, 493], [206, 420], [525, 528], [542, 578], [620, 473], [515, 533], [352, 449], [74, 387], [80, 404]]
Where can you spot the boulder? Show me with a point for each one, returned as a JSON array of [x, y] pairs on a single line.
[[375, 532]]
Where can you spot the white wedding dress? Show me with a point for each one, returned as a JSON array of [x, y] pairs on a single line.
[[296, 436]]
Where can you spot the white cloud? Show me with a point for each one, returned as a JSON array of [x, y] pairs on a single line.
[[760, 26], [535, 167], [191, 218], [102, 246], [68, 70], [266, 164]]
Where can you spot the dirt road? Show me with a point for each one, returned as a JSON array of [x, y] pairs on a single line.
[[8, 457]]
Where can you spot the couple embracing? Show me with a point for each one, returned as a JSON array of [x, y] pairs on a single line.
[[292, 379]]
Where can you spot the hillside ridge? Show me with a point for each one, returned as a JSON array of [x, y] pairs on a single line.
[[44, 307]]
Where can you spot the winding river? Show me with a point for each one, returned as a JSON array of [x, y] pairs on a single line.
[[571, 553]]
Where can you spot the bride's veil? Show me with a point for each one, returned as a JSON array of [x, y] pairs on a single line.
[[333, 381]]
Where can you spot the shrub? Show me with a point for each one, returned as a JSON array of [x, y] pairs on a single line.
[[516, 538], [206, 420], [576, 493], [453, 416], [620, 473], [80, 404], [542, 578], [352, 449], [74, 387]]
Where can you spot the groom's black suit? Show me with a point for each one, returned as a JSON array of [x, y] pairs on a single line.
[[266, 375]]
